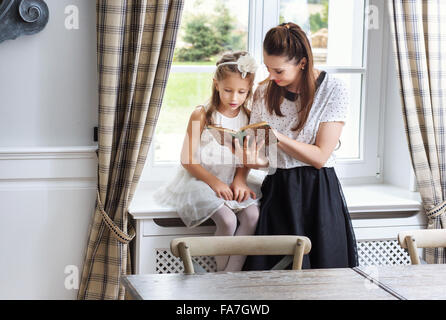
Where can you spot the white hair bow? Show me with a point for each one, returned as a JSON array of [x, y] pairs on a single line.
[[244, 64]]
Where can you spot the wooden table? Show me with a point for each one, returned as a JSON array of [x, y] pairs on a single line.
[[312, 284], [412, 282]]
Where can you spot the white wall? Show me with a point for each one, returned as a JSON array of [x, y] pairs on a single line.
[[48, 108], [48, 82]]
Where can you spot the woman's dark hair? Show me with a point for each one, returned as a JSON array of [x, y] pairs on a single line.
[[290, 41]]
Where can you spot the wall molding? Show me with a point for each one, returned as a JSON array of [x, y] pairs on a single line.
[[30, 153], [48, 164]]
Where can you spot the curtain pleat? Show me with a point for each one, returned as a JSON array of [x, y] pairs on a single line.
[[419, 41], [135, 44]]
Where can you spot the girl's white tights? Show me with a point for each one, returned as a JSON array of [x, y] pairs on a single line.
[[226, 221]]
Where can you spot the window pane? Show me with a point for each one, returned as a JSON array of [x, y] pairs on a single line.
[[208, 28], [350, 138], [185, 91], [335, 28]]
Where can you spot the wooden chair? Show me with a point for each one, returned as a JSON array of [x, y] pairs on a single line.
[[427, 238], [188, 247]]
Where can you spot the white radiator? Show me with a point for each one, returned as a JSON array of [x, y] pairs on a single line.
[[376, 243]]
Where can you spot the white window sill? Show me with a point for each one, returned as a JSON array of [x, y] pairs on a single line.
[[361, 199], [381, 198]]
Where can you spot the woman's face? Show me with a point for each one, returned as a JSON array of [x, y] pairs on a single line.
[[285, 73]]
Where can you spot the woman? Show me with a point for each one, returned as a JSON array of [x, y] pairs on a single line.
[[306, 109]]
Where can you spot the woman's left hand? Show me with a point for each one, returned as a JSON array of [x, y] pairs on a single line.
[[241, 191], [251, 155]]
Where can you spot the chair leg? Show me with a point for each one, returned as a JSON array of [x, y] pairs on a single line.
[[187, 259], [298, 255], [283, 263], [412, 247]]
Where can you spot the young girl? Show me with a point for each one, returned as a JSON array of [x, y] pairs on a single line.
[[204, 186], [307, 109]]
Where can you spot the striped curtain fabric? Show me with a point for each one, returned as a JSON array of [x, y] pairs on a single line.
[[419, 39], [135, 45]]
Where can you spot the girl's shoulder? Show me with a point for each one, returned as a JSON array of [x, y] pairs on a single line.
[[200, 109], [199, 114]]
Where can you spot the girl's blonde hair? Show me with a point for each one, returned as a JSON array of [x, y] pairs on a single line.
[[220, 74]]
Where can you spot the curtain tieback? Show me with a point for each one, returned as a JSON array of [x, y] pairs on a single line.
[[436, 211], [115, 231]]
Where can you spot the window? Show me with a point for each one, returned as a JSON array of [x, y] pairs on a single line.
[[335, 31], [208, 28], [342, 45]]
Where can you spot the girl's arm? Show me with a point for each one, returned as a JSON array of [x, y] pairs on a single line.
[[239, 187], [189, 161], [315, 155], [241, 174]]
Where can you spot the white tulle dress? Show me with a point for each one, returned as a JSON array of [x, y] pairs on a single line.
[[193, 199]]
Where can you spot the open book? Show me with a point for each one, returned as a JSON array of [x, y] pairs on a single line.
[[260, 130]]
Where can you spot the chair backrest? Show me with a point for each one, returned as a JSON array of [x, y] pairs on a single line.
[[188, 247], [426, 238]]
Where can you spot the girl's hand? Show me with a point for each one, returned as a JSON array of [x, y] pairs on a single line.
[[241, 191], [251, 155], [222, 190]]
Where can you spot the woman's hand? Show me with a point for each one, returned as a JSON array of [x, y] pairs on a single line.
[[251, 155], [222, 190], [241, 191]]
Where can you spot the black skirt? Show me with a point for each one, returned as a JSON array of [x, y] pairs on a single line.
[[309, 202]]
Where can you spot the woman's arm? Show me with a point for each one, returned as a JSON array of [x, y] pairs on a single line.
[[189, 151], [315, 155]]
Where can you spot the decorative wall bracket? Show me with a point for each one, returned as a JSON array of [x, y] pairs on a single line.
[[22, 17]]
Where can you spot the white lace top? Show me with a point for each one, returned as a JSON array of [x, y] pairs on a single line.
[[330, 104]]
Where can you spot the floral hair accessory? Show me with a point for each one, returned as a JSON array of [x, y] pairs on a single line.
[[244, 64]]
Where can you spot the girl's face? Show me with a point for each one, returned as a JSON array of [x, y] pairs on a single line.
[[285, 73], [233, 91]]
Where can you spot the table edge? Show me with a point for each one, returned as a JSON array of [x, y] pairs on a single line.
[[132, 290]]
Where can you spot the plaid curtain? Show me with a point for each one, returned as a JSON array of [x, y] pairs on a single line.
[[419, 40], [135, 45]]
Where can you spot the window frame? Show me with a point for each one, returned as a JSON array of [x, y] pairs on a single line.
[[366, 168]]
